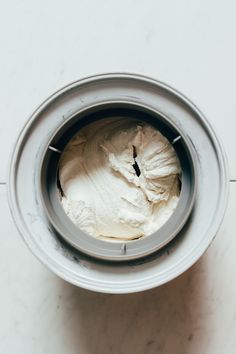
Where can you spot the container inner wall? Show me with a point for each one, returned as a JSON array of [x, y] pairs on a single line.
[[99, 248]]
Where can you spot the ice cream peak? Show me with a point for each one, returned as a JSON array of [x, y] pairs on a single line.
[[120, 179]]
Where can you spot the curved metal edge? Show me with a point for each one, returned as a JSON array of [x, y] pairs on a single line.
[[46, 261]]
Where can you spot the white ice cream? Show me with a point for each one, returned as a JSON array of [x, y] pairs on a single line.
[[120, 179]]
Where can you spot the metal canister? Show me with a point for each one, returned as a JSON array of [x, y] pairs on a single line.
[[96, 264]]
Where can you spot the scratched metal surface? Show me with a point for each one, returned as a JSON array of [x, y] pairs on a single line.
[[28, 210]]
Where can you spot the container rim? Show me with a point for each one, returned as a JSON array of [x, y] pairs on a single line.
[[174, 269]]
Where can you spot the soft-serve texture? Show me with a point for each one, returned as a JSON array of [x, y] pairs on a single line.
[[119, 179]]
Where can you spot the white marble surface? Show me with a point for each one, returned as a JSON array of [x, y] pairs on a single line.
[[188, 44], [195, 313]]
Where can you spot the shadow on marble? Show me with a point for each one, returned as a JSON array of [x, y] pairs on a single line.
[[167, 319]]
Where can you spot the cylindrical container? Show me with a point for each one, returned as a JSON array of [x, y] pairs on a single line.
[[96, 264]]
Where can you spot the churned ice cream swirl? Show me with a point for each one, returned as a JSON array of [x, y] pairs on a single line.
[[120, 179]]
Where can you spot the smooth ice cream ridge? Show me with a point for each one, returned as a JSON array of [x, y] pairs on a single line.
[[119, 179]]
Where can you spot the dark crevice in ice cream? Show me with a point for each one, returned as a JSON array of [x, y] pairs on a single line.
[[135, 164]]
